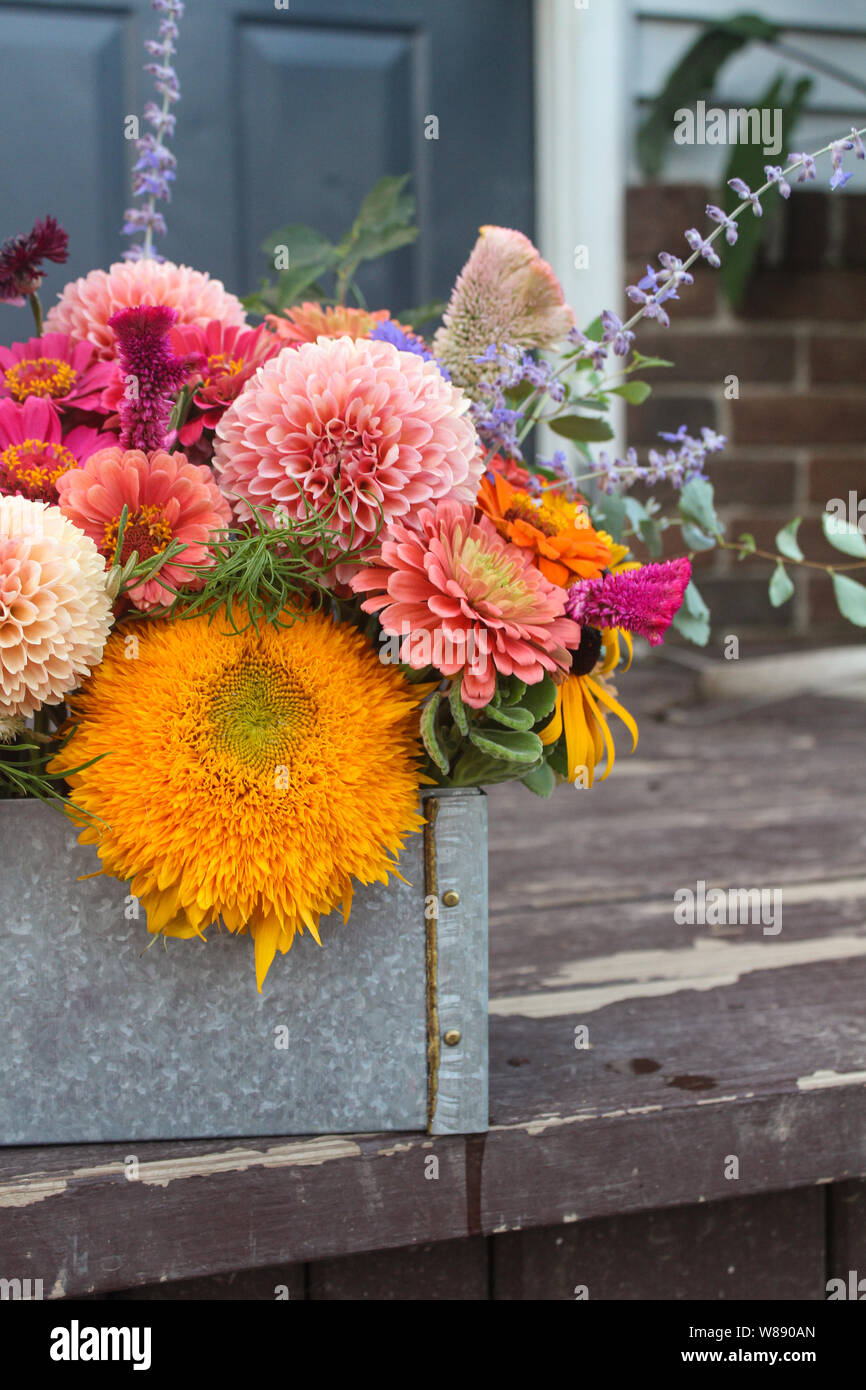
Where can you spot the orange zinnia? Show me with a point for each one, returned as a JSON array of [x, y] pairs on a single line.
[[567, 546]]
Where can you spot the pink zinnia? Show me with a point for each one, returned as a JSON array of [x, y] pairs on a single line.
[[643, 601], [70, 374], [481, 597], [34, 451], [86, 305], [167, 498], [230, 356], [379, 427], [505, 293]]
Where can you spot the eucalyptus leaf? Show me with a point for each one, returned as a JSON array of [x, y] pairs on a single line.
[[843, 536], [786, 540], [781, 586], [696, 504], [850, 599]]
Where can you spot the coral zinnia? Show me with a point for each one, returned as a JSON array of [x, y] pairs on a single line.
[[357, 430], [505, 293], [230, 356], [167, 498], [251, 778], [558, 532], [307, 322], [483, 599], [643, 600], [86, 305], [56, 368], [34, 451], [54, 610]]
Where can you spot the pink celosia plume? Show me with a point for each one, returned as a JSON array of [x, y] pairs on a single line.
[[484, 600], [152, 374], [505, 293], [643, 601]]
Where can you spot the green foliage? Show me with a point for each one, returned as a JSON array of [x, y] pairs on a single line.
[[583, 427], [634, 392], [781, 586], [786, 540], [747, 162], [384, 223], [694, 77], [693, 619], [850, 599], [843, 536]]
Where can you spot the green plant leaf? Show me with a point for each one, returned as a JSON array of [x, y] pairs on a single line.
[[781, 586], [540, 698], [540, 780], [747, 162], [512, 689], [584, 427], [608, 510], [786, 540], [429, 734], [843, 536], [635, 392], [747, 543], [693, 618], [693, 77], [850, 599], [458, 709], [695, 539], [639, 361], [509, 745], [696, 505], [512, 716]]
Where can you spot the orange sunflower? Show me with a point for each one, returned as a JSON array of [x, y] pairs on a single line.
[[567, 546]]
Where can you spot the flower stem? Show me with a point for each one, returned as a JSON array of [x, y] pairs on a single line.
[[37, 311]]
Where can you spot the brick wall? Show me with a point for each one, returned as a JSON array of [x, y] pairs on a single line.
[[797, 433]]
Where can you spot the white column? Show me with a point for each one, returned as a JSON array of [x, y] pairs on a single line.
[[581, 109]]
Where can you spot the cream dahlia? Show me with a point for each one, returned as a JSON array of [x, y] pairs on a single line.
[[167, 498], [482, 601], [377, 429], [55, 613], [86, 305]]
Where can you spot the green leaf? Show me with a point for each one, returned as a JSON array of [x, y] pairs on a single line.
[[747, 162], [651, 536], [786, 540], [513, 717], [386, 203], [843, 536], [429, 734], [635, 392], [694, 77], [609, 511], [458, 709], [583, 427], [540, 780], [747, 543], [639, 361], [781, 586], [696, 505], [513, 689], [511, 745], [850, 599], [693, 618], [539, 699], [695, 539]]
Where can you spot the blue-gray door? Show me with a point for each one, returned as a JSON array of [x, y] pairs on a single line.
[[287, 115]]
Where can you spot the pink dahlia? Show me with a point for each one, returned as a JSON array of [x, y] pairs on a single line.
[[482, 601], [231, 356], [53, 366], [358, 430], [644, 600], [34, 451], [505, 293], [86, 305], [167, 498]]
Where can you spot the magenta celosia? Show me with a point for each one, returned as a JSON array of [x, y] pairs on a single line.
[[152, 374], [643, 601]]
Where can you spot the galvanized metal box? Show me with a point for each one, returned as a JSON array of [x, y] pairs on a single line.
[[109, 1034]]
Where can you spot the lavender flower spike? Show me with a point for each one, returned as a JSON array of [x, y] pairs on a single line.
[[730, 226], [775, 174], [697, 243], [743, 191], [154, 169]]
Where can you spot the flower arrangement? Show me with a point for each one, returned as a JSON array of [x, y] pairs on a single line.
[[247, 570]]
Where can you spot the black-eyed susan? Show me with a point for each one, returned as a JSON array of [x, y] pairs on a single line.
[[583, 701], [251, 778]]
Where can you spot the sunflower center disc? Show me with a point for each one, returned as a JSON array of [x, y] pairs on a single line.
[[257, 713]]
